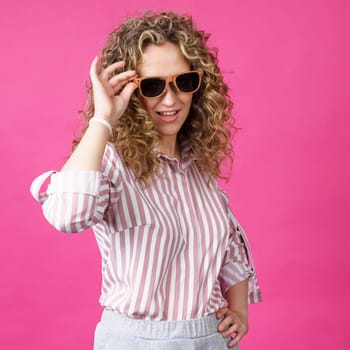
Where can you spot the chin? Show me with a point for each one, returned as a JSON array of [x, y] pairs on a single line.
[[168, 133]]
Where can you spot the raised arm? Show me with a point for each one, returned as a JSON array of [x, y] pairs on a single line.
[[111, 97], [78, 195]]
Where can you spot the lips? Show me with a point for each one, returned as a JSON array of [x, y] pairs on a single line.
[[168, 116]]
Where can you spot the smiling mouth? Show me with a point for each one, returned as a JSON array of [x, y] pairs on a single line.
[[168, 116]]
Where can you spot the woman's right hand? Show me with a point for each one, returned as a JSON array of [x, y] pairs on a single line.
[[111, 93]]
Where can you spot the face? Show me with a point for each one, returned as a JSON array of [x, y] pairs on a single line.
[[170, 110]]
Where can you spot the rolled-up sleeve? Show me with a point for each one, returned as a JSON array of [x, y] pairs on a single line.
[[76, 200], [238, 263]]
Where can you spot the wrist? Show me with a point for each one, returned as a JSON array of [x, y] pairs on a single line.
[[243, 314], [102, 122]]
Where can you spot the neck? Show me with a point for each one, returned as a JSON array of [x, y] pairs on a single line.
[[170, 147]]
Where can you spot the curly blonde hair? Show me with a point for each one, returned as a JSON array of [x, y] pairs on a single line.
[[210, 122]]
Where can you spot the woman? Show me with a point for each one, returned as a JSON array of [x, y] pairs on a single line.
[[175, 262]]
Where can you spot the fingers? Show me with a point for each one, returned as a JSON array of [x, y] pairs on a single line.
[[221, 313], [93, 71], [231, 325], [230, 329], [118, 81], [106, 79], [108, 71], [104, 74], [107, 74], [111, 94], [128, 91], [237, 338]]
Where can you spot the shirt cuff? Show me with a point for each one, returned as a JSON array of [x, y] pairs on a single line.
[[83, 182], [234, 273]]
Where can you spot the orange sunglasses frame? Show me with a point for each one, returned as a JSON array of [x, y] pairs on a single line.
[[169, 79]]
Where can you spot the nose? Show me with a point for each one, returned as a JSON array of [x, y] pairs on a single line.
[[170, 95]]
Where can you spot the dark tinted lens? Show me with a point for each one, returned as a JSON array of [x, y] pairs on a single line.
[[152, 87], [188, 82]]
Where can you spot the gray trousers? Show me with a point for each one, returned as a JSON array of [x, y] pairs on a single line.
[[118, 332]]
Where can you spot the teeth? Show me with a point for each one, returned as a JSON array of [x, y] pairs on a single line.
[[168, 114]]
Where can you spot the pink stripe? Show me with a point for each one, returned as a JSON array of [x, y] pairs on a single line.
[[163, 246], [161, 259]]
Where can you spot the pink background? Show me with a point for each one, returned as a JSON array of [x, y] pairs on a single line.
[[287, 63]]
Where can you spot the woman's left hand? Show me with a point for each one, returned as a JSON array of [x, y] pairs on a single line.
[[234, 324]]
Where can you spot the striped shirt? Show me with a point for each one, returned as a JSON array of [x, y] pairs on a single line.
[[170, 250]]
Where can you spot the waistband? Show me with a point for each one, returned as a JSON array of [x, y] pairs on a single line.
[[195, 328]]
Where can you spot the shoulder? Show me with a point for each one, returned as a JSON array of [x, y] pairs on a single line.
[[111, 163], [222, 194]]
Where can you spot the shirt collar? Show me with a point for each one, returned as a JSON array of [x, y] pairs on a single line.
[[186, 156]]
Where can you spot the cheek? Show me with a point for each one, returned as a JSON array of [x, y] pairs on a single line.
[[148, 104], [187, 101]]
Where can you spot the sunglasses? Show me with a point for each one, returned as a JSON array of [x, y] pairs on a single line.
[[187, 83]]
